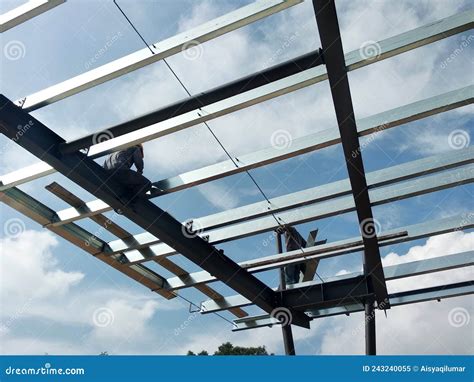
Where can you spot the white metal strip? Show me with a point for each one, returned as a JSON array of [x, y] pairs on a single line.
[[205, 32], [26, 12]]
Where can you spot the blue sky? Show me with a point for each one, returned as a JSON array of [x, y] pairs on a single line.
[[52, 289]]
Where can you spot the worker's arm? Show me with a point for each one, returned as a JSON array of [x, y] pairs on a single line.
[[138, 160]]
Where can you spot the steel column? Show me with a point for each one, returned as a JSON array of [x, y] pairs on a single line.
[[329, 33], [287, 333], [370, 339]]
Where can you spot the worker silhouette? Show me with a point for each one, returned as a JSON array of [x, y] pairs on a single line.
[[119, 164], [294, 241]]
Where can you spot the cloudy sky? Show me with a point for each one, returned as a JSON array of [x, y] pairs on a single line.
[[57, 299]]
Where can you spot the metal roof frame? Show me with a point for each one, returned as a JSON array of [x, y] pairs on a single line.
[[388, 48], [166, 236]]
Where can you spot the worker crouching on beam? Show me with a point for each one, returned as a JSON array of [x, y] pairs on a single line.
[[120, 164]]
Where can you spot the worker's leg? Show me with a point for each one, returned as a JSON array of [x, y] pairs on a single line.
[[292, 274], [133, 184], [138, 184]]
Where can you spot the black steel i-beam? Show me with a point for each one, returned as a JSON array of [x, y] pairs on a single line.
[[42, 142], [241, 85], [328, 26], [286, 331]]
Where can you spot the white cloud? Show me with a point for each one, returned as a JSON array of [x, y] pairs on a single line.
[[36, 289], [220, 196]]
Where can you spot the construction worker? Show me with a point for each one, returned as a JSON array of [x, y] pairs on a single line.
[[294, 241], [120, 163]]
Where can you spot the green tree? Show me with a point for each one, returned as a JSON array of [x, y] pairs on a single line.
[[228, 349], [202, 352]]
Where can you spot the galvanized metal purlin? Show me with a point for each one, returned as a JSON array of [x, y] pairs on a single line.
[[396, 299], [375, 124], [328, 26], [196, 103], [413, 232], [162, 49], [43, 142], [392, 272], [409, 40], [83, 239], [118, 231], [384, 120], [311, 212], [26, 12]]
